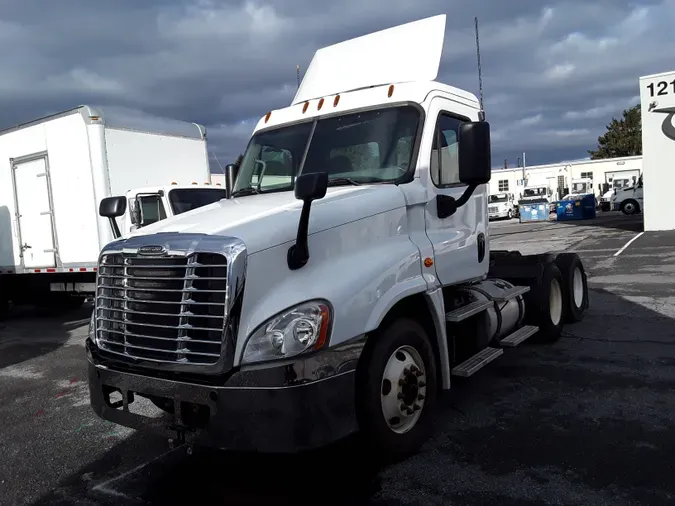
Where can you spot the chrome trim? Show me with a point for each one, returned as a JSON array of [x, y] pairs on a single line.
[[186, 249]]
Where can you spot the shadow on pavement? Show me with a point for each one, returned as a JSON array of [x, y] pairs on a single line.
[[29, 332], [587, 420]]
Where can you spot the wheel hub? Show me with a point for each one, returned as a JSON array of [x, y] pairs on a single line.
[[403, 389]]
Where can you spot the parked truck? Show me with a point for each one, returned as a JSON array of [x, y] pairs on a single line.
[[53, 173], [628, 200], [501, 205], [343, 293]]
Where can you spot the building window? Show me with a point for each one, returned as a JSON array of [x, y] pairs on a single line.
[[588, 175], [503, 185]]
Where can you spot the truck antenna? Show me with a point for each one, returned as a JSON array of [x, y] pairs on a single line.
[[297, 71], [480, 72], [218, 161]]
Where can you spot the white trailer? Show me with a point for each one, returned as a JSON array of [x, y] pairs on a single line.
[[55, 171]]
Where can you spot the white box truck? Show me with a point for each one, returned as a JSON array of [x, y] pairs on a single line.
[[55, 171], [341, 288]]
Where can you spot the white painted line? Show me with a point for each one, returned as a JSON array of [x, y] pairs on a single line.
[[104, 488], [627, 244]]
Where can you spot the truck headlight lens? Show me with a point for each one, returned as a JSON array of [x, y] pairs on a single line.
[[92, 326], [294, 331]]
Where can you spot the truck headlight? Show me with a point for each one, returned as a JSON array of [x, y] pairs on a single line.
[[92, 326], [294, 331]]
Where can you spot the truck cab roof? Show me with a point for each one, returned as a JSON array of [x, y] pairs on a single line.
[[382, 95]]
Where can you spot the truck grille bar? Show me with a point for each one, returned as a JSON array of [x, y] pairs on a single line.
[[169, 309]]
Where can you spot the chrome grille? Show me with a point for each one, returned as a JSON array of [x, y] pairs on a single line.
[[493, 209], [162, 309]]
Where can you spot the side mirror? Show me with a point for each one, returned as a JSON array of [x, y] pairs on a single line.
[[475, 165], [111, 208], [311, 186], [231, 172], [308, 187], [475, 162]]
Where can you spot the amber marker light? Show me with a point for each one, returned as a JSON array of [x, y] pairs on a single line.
[[428, 262], [323, 332], [391, 90], [336, 100]]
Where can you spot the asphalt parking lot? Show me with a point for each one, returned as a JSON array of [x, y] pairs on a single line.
[[587, 420]]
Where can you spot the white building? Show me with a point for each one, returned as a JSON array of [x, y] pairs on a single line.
[[616, 172]]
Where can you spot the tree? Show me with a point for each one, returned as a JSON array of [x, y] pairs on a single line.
[[623, 137]]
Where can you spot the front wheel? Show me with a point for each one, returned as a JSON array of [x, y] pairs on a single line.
[[510, 215], [396, 389], [630, 207]]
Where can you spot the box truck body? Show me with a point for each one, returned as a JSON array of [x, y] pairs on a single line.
[[54, 171]]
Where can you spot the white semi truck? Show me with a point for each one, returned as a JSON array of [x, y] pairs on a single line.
[[343, 293], [54, 172]]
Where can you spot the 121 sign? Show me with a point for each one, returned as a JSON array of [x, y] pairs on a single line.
[[661, 88]]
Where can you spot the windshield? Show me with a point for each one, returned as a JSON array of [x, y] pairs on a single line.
[[364, 147], [501, 197], [187, 199], [579, 187], [535, 192]]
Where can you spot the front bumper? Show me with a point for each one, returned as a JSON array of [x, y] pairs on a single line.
[[300, 405]]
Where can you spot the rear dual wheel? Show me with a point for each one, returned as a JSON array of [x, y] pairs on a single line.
[[545, 303], [396, 389], [575, 287]]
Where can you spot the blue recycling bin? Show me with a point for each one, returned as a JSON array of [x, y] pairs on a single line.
[[579, 208], [534, 212]]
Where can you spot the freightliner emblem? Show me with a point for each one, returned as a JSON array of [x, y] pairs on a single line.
[[152, 250]]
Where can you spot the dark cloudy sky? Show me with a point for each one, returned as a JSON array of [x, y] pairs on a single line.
[[554, 72]]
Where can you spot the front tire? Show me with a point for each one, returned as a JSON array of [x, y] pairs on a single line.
[[510, 215], [396, 389], [630, 206]]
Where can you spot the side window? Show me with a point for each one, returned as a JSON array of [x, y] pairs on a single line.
[[444, 164], [152, 209], [503, 185]]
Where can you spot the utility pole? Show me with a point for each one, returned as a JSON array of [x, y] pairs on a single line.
[[524, 168]]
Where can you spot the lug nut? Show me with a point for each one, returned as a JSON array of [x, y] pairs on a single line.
[[416, 407], [421, 384], [400, 396], [406, 370], [403, 407], [420, 397]]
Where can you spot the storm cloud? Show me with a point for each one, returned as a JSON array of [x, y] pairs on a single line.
[[554, 73]]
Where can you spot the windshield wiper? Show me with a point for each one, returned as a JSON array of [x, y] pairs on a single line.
[[245, 191], [342, 181]]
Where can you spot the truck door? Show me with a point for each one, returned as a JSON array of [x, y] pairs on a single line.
[[34, 213], [455, 237]]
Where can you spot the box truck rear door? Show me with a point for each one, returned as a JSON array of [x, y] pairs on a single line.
[[31, 187]]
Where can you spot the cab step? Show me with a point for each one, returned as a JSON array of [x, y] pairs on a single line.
[[477, 362], [464, 312], [520, 335], [511, 293]]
